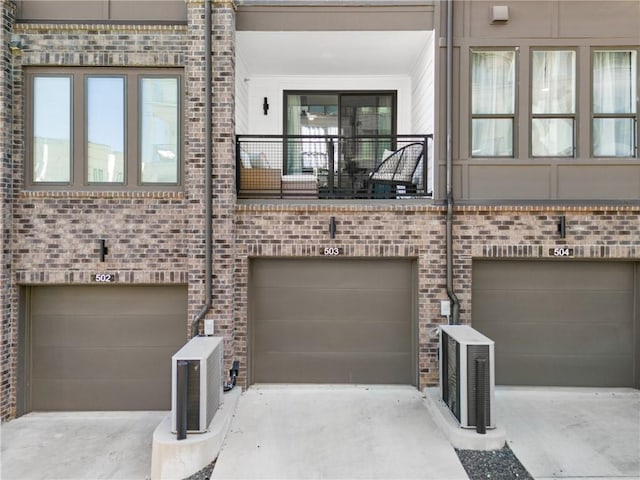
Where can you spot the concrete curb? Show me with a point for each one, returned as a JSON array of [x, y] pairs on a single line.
[[173, 459], [460, 438]]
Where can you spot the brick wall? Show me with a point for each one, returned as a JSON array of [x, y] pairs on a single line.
[[153, 237], [158, 238], [224, 192], [362, 231], [505, 232], [8, 347]]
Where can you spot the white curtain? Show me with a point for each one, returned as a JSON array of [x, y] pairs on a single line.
[[493, 93], [553, 92], [614, 92], [294, 147]]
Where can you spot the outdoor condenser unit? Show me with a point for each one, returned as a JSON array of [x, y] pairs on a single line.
[[460, 349], [204, 383]]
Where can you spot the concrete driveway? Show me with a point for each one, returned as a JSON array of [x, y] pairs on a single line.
[[341, 432], [573, 432], [83, 445], [335, 432]]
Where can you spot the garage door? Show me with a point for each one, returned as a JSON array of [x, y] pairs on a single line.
[[332, 321], [104, 347], [557, 323]]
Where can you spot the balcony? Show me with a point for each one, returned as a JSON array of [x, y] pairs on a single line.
[[334, 167]]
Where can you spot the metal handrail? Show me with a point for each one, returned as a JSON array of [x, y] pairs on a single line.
[[339, 163]]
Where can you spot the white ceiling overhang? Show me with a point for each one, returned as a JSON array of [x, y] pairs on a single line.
[[330, 53]]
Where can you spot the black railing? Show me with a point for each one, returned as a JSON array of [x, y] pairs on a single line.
[[334, 167]]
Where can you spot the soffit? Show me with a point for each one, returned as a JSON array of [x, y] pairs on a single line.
[[330, 53]]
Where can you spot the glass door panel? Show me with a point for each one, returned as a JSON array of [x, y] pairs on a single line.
[[313, 116], [363, 116]]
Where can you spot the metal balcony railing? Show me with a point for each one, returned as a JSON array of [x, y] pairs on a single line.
[[334, 167]]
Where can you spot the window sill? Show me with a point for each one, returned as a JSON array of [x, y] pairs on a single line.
[[160, 194]]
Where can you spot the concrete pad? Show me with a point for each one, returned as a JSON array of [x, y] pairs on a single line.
[[335, 432], [461, 438], [573, 432], [83, 445], [177, 459]]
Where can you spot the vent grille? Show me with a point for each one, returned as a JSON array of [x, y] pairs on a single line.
[[476, 352], [193, 395]]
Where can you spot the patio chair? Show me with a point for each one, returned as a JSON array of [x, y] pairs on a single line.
[[396, 170]]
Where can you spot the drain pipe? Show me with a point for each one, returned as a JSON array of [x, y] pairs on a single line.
[[455, 311], [208, 189]]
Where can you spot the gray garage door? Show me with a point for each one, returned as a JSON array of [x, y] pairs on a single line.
[[332, 321], [104, 347], [557, 323]]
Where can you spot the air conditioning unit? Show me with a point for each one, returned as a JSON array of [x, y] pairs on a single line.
[[201, 361], [460, 348]]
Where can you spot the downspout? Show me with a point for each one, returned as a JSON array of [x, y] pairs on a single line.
[[455, 311], [208, 169]]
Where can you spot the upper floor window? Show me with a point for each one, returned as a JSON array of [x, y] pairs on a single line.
[[614, 103], [493, 93], [104, 129], [553, 103]]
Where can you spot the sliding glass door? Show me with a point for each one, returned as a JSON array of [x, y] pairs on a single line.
[[337, 131]]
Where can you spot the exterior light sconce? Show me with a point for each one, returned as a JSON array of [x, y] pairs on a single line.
[[499, 14], [562, 227], [265, 106], [104, 250], [16, 43], [332, 227]]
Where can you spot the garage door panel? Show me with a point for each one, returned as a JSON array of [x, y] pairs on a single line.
[[561, 339], [339, 304], [99, 395], [576, 371], [579, 276], [334, 368], [330, 336], [323, 318], [107, 330], [557, 323], [596, 306], [101, 363], [105, 347], [338, 273], [105, 298]]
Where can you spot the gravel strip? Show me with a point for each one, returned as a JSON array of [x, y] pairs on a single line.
[[203, 474], [496, 464]]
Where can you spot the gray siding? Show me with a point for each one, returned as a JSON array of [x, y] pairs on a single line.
[[535, 24], [114, 10]]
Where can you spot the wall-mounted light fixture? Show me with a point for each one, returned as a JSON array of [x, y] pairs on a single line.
[[16, 43], [332, 227], [265, 106], [104, 250], [562, 226], [499, 14]]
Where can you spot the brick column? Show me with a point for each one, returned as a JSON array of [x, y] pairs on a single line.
[[8, 330], [224, 194], [195, 146]]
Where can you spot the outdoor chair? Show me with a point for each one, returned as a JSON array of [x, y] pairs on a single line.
[[397, 169]]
